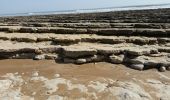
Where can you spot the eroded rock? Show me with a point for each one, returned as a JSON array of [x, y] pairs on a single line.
[[116, 59], [75, 52]]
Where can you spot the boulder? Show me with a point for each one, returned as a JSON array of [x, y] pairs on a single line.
[[136, 60], [96, 58], [39, 57], [51, 56], [137, 66], [151, 64], [162, 68], [69, 60], [116, 59], [134, 52], [80, 61]]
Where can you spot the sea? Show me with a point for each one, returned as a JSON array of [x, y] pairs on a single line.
[[92, 10]]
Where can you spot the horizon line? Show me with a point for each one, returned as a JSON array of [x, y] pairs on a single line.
[[72, 10]]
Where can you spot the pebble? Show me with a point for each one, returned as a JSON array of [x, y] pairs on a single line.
[[162, 69]]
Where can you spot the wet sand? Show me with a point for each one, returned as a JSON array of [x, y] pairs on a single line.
[[77, 74], [50, 67]]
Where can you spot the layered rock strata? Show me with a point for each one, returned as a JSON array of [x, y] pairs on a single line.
[[138, 39]]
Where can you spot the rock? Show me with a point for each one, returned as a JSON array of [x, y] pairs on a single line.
[[129, 91], [39, 57], [35, 74], [67, 40], [24, 39], [80, 61], [141, 51], [38, 51], [164, 62], [168, 68], [108, 51], [151, 64], [78, 51], [96, 58], [134, 52], [168, 55], [164, 49], [69, 60], [162, 69], [28, 30], [137, 60], [24, 56], [51, 49], [137, 66], [51, 56], [116, 59]]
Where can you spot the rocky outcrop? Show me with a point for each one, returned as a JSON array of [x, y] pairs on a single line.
[[139, 40]]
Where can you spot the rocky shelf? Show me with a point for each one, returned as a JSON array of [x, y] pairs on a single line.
[[138, 39]]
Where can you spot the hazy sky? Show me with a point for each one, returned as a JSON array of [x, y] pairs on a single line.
[[20, 6]]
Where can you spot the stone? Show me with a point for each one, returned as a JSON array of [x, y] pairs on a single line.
[[137, 66], [66, 40], [162, 69], [96, 58], [80, 61], [141, 51], [51, 49], [116, 59], [76, 52], [51, 56], [134, 52], [137, 60], [168, 68], [69, 60], [28, 30], [38, 51], [39, 57], [108, 51], [151, 64], [24, 39], [35, 74], [24, 56]]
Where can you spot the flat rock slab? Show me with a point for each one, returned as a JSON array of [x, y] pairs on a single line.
[[78, 51]]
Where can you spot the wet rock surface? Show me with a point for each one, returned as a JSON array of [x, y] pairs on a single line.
[[86, 56]]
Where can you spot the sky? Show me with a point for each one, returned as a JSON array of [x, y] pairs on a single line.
[[24, 6]]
